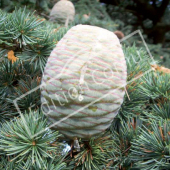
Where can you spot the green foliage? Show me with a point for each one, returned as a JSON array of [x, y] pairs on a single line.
[[31, 39], [93, 13], [5, 111], [23, 27], [93, 7], [138, 63], [151, 148], [27, 139], [156, 85], [160, 111], [28, 36], [15, 80], [9, 76], [29, 100], [160, 54], [92, 20], [122, 142], [40, 5], [94, 154], [54, 163]]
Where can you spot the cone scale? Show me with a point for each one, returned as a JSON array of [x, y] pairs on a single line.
[[84, 81]]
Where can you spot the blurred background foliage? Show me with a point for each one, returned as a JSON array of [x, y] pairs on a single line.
[[151, 17]]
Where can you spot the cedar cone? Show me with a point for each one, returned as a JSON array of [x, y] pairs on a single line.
[[119, 34]]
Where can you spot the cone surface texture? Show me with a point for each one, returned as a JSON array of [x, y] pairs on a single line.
[[62, 11], [84, 81]]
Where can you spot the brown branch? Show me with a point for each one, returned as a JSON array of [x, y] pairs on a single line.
[[14, 47], [161, 10], [7, 47]]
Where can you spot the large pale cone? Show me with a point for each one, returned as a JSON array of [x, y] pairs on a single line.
[[63, 12], [83, 82]]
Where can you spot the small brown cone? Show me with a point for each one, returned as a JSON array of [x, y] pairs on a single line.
[[119, 34]]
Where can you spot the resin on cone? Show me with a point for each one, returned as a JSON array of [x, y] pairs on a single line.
[[63, 12], [84, 81]]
